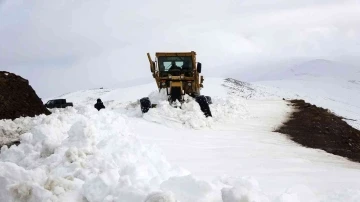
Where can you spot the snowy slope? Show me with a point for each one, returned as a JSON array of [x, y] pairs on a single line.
[[119, 154], [339, 94], [329, 84]]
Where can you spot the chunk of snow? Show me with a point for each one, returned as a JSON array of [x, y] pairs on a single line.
[[298, 193], [244, 189], [95, 190], [29, 192], [161, 197], [187, 188]]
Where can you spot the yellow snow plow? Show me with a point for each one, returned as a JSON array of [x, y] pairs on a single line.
[[179, 74]]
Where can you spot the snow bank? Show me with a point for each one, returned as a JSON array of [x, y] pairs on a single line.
[[11, 130], [79, 152]]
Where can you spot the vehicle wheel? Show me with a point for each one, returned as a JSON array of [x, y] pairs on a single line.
[[208, 98], [204, 105], [145, 104]]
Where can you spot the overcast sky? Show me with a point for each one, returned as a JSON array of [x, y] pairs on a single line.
[[66, 45]]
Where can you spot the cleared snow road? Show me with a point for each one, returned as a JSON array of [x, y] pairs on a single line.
[[247, 147]]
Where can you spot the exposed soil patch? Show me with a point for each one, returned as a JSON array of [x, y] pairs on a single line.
[[18, 98], [316, 127]]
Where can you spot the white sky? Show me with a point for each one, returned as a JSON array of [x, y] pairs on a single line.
[[67, 45]]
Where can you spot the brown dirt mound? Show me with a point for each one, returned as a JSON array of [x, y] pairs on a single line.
[[316, 127], [17, 98]]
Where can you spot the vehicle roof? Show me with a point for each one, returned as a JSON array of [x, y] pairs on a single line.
[[192, 53]]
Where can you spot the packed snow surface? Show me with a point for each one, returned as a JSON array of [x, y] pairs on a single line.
[[169, 154]]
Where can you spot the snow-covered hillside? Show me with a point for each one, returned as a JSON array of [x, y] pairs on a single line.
[[328, 84], [168, 154]]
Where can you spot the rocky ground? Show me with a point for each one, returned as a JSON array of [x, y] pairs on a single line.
[[18, 98], [316, 127]]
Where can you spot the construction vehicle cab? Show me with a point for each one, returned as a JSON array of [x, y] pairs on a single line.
[[179, 74]]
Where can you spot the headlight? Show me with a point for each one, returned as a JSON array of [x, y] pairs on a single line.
[[189, 83]]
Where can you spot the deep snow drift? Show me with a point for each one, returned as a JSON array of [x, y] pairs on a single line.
[[168, 154], [81, 155]]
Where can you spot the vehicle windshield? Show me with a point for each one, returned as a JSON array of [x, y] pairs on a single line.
[[49, 102], [171, 64]]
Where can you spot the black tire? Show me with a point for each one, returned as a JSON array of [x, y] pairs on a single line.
[[204, 105], [145, 104], [208, 98]]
